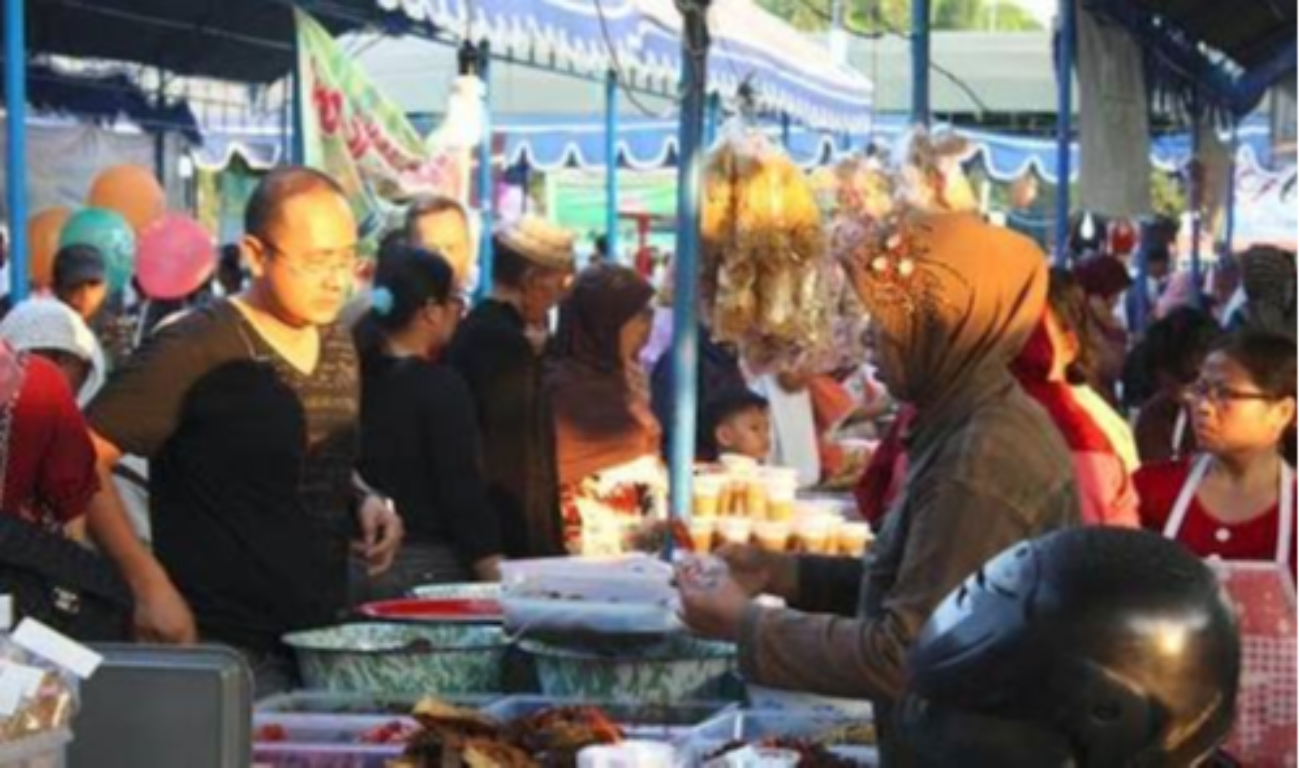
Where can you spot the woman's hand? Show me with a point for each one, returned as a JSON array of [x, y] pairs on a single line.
[[757, 572], [713, 603]]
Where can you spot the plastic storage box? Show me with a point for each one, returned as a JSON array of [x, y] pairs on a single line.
[[322, 741], [153, 706], [755, 726], [46, 750], [337, 703]]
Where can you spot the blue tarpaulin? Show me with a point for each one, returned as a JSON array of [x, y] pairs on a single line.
[[548, 143], [641, 39]]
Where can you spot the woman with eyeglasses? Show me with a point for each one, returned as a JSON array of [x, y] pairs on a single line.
[[419, 441], [1236, 499]]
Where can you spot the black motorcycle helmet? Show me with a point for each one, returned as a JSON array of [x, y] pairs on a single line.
[[1089, 648]]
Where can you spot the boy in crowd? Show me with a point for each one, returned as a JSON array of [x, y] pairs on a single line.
[[737, 421]]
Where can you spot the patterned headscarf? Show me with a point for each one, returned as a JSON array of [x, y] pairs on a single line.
[[957, 295]]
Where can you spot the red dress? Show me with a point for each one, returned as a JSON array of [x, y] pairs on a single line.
[[50, 460], [1158, 487]]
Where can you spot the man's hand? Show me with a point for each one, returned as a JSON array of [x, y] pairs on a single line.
[[381, 535], [162, 616]]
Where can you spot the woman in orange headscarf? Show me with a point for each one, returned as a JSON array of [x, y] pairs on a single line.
[[607, 438]]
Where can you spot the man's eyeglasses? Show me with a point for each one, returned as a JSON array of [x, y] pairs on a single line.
[[322, 264], [1219, 395]]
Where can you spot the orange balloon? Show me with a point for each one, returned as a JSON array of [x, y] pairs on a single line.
[[43, 242], [1024, 190], [131, 191]]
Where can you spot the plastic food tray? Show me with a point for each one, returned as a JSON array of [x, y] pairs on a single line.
[[751, 726], [323, 741], [340, 703]]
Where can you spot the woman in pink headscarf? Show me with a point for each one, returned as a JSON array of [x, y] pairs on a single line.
[[1053, 368]]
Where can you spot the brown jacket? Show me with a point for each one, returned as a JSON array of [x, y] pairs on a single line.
[[988, 470]]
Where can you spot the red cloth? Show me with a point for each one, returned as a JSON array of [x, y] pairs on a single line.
[[50, 470], [1256, 539], [1032, 369], [1105, 490], [882, 480]]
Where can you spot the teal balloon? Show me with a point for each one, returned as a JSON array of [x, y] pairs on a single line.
[[111, 235]]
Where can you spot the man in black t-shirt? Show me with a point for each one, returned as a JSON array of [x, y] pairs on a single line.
[[495, 354], [248, 410]]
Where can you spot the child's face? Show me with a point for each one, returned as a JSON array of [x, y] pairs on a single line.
[[748, 433]]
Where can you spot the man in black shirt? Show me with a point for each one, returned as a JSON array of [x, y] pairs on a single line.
[[248, 410], [501, 362]]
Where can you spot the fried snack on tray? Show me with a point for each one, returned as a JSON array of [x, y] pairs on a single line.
[[556, 736], [451, 737], [443, 748], [432, 712]]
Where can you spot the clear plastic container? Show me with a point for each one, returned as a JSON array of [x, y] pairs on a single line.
[[323, 741], [337, 703], [46, 750], [671, 722], [751, 727]]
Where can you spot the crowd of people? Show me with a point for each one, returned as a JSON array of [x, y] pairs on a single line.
[[312, 431]]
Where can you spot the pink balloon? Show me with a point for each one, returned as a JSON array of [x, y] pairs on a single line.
[[175, 257]]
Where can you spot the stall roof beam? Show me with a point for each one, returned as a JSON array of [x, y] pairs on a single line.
[[237, 40]]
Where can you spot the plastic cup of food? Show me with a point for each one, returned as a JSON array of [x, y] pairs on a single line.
[[816, 535], [786, 474], [810, 508], [738, 464], [701, 531], [781, 498], [628, 754], [756, 498], [772, 536], [853, 539], [706, 494], [735, 530]]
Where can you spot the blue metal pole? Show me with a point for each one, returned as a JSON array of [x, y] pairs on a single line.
[[611, 165], [16, 144], [712, 119], [485, 174], [298, 147], [1064, 120], [1230, 214], [685, 349], [785, 130], [921, 62], [1196, 193], [1141, 305]]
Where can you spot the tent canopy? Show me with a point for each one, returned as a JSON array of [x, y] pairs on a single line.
[[641, 40], [1217, 55], [238, 40]]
